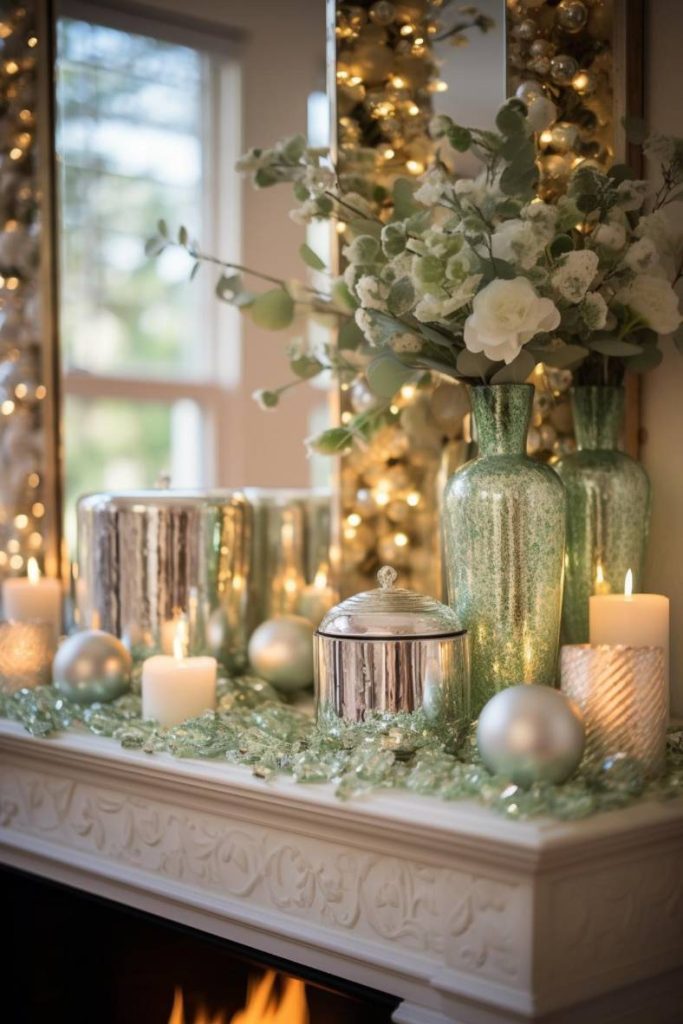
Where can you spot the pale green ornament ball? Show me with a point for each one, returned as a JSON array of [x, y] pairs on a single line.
[[281, 652], [92, 666]]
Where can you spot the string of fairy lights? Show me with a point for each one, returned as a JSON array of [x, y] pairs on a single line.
[[387, 77], [22, 390]]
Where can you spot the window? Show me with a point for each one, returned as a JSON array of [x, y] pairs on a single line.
[[147, 127]]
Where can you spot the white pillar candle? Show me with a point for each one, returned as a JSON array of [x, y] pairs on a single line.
[[317, 598], [33, 598], [637, 620], [174, 689]]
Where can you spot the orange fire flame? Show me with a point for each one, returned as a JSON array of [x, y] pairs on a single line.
[[264, 1004]]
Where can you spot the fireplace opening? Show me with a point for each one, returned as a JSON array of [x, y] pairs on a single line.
[[80, 959]]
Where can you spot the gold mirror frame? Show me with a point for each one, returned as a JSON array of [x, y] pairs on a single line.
[[377, 522]]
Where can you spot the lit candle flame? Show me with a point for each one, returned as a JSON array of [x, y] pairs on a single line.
[[32, 570], [180, 640], [320, 580], [628, 584], [599, 574]]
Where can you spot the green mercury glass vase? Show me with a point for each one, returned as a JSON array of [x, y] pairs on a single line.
[[504, 524], [608, 508]]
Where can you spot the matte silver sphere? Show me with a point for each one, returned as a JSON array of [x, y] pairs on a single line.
[[531, 734], [281, 652], [92, 666]]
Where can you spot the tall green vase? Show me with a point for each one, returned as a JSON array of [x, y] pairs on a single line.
[[608, 508], [504, 523]]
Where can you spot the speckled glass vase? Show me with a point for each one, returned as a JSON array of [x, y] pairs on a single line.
[[608, 508], [504, 522]]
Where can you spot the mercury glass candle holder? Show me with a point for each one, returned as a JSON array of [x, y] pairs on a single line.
[[26, 653], [624, 697]]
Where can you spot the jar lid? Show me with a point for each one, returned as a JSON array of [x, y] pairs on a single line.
[[390, 612]]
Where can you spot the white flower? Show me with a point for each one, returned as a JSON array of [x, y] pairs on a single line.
[[506, 315], [429, 308], [431, 189], [665, 228], [518, 242], [573, 277], [642, 256], [632, 194], [318, 179], [476, 190], [305, 213], [594, 311], [543, 216], [610, 236], [371, 292], [654, 301], [405, 343], [370, 332]]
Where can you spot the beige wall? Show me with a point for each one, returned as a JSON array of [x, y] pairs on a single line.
[[662, 420]]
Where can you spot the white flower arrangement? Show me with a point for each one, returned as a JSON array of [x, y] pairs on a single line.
[[476, 279]]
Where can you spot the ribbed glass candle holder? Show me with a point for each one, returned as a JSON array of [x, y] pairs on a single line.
[[624, 698]]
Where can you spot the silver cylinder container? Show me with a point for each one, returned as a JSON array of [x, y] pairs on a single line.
[[392, 650], [205, 566]]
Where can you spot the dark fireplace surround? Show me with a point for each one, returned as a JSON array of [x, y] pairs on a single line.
[[79, 959]]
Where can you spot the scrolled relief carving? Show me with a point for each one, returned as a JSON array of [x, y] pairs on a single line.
[[609, 918], [450, 914]]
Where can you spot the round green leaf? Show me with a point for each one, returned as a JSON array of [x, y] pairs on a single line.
[[386, 375], [273, 310]]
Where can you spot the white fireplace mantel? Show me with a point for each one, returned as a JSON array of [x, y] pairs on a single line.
[[465, 916]]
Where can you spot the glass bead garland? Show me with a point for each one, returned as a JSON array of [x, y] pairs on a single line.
[[253, 727]]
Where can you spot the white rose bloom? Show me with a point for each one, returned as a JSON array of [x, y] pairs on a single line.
[[594, 311], [632, 194], [371, 292], [506, 315], [654, 301], [642, 256], [519, 242], [610, 236], [573, 277]]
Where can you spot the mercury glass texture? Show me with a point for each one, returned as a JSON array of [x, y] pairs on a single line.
[[504, 539], [391, 650], [608, 508], [251, 727]]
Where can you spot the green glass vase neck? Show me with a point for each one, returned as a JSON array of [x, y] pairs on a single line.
[[598, 415], [502, 413]]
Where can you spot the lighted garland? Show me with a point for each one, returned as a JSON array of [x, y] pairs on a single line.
[[22, 389], [253, 728], [386, 77]]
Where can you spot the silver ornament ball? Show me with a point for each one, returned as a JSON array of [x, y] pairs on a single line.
[[92, 666], [281, 652], [531, 734]]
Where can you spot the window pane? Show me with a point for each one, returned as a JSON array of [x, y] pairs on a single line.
[[122, 444], [130, 145]]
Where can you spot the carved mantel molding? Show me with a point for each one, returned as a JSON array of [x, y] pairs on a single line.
[[467, 917]]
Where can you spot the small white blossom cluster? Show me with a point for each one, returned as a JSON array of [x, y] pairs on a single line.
[[478, 278]]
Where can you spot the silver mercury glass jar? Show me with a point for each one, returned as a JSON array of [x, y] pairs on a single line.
[[392, 650]]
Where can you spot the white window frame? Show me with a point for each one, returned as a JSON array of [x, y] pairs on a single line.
[[221, 230]]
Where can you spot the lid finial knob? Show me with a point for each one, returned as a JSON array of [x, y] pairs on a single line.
[[386, 577]]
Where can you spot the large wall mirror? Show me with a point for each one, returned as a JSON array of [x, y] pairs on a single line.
[[138, 113]]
